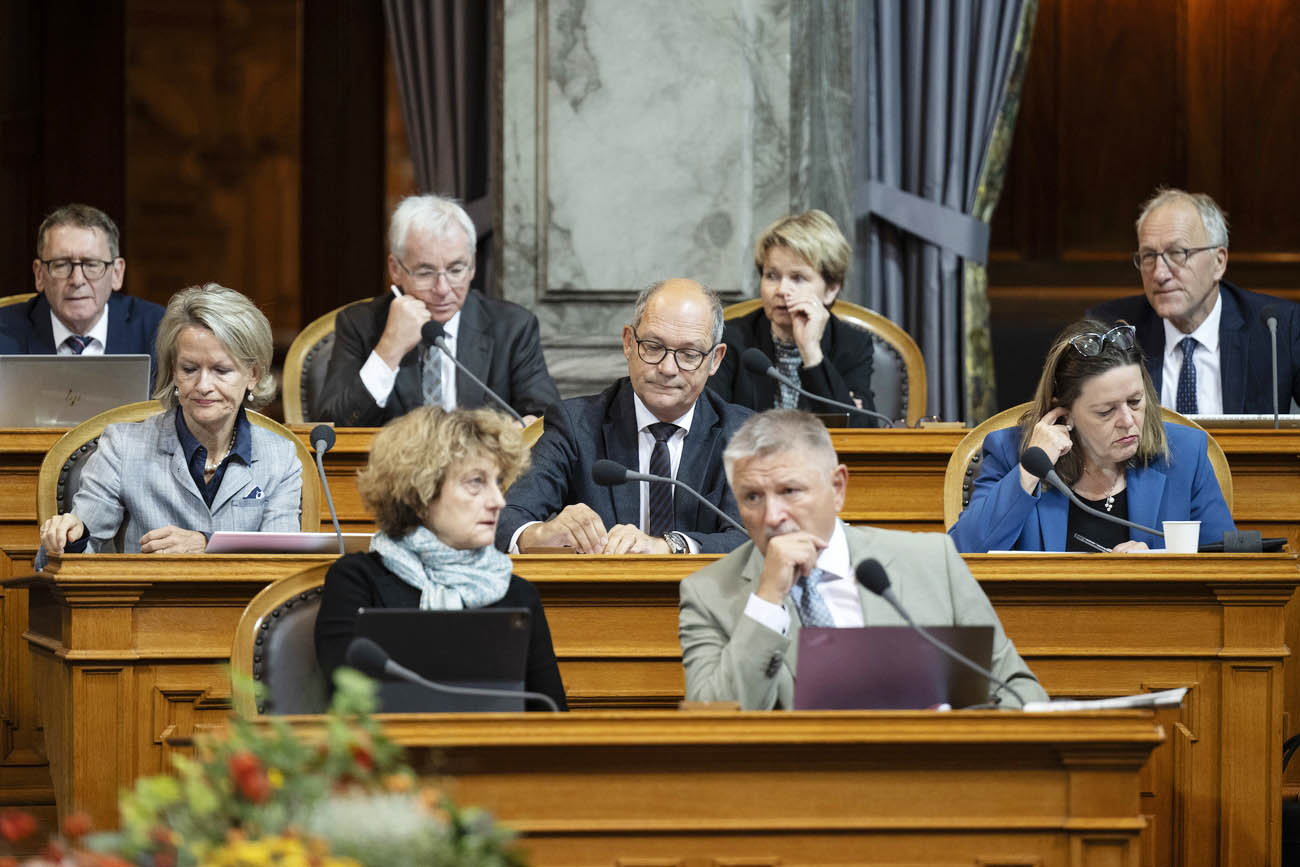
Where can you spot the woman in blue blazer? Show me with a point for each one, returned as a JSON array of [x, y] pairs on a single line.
[[1096, 415]]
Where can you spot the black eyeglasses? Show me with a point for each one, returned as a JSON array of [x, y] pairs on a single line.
[[653, 352], [61, 269], [1176, 257], [1089, 344]]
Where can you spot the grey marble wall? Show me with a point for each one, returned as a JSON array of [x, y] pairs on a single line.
[[651, 140]]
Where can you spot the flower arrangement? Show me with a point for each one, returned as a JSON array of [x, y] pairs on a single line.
[[260, 795]]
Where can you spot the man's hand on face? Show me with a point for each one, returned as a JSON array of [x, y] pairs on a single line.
[[406, 316], [577, 526], [789, 557], [628, 539]]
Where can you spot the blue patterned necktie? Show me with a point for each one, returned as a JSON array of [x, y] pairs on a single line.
[[77, 342], [1186, 401], [431, 376], [813, 610], [660, 515]]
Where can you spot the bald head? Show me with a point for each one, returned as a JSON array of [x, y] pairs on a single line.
[[681, 315]]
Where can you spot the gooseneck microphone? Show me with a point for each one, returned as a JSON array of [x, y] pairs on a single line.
[[1040, 466], [753, 360], [608, 473], [1269, 316], [370, 659], [871, 575], [432, 333], [322, 440]]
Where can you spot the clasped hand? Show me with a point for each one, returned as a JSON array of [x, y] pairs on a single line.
[[579, 527]]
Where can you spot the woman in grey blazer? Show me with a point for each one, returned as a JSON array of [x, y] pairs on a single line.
[[165, 484]]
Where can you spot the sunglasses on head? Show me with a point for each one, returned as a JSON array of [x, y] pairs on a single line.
[[1090, 344]]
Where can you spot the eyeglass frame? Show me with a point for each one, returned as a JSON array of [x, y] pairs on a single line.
[[1188, 253], [440, 273], [74, 264], [1103, 339], [677, 359]]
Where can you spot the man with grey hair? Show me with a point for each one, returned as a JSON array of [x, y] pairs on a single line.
[[659, 419], [1208, 348], [79, 308], [380, 368], [740, 617]]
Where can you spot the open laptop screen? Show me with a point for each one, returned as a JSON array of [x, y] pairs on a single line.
[[65, 390]]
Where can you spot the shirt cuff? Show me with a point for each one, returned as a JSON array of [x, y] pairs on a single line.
[[514, 540], [692, 546], [774, 617], [79, 546], [378, 378]]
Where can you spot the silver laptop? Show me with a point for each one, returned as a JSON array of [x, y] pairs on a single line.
[[65, 390]]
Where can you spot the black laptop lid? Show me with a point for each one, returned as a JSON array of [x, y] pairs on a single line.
[[483, 647], [889, 668]]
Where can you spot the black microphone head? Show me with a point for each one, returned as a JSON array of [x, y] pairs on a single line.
[[367, 657], [871, 575], [322, 437], [1037, 462], [607, 472], [1270, 311], [431, 331], [753, 360]]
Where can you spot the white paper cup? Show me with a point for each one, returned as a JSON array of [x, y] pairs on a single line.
[[1182, 537]]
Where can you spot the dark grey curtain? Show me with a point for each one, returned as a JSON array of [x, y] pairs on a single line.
[[939, 78], [442, 56]]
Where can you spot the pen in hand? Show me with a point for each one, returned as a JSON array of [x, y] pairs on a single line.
[[397, 293], [1091, 544]]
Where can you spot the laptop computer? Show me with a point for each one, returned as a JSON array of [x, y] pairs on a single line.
[[890, 668], [482, 647], [260, 542], [65, 390]]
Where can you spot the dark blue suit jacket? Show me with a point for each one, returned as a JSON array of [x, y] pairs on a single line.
[[1001, 516], [132, 328], [1245, 351], [583, 430]]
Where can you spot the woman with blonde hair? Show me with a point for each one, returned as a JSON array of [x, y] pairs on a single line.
[[1096, 416], [435, 481]]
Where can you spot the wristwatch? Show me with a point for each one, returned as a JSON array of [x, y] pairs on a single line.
[[676, 543]]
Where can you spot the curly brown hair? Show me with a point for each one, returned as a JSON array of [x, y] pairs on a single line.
[[410, 457]]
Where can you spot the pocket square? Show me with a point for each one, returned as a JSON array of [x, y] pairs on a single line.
[[255, 494]]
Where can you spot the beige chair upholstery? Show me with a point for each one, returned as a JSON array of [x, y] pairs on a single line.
[[304, 368], [533, 432], [964, 464], [20, 298], [275, 648], [897, 368], [60, 474]]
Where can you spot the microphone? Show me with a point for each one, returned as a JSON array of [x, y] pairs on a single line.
[[1269, 317], [1040, 466], [608, 473], [759, 364], [322, 440], [871, 575], [370, 659], [432, 333]]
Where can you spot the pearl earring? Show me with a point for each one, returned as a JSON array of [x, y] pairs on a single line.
[[250, 395]]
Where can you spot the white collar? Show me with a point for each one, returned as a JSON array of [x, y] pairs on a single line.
[[98, 331], [1206, 334], [452, 327], [645, 418], [835, 557]]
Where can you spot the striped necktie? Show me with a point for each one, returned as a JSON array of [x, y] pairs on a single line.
[[1185, 403], [77, 342], [660, 516]]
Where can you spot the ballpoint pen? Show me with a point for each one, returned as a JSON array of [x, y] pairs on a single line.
[[1091, 544]]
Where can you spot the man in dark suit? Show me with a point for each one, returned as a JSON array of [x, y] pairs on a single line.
[[380, 369], [78, 309], [660, 419], [1208, 348]]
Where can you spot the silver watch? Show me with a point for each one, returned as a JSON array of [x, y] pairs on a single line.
[[676, 543]]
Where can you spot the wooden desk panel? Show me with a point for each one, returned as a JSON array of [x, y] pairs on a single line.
[[661, 788]]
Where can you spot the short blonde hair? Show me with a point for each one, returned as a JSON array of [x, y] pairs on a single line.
[[410, 456], [233, 319], [813, 237]]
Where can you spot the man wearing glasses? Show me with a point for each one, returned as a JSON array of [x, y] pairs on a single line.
[[661, 420], [380, 368], [78, 309], [1207, 346]]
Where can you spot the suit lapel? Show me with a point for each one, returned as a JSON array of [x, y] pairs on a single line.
[[40, 340], [1232, 354], [1151, 336], [406, 388], [237, 478], [170, 445], [1053, 518], [474, 350], [1145, 490], [701, 451], [875, 610], [763, 387], [619, 437], [119, 341]]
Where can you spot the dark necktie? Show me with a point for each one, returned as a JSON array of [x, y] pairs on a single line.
[[660, 516], [1186, 401], [77, 342], [813, 610]]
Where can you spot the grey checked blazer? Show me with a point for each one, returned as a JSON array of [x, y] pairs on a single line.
[[137, 480]]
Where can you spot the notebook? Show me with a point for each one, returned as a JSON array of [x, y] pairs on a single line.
[[65, 390]]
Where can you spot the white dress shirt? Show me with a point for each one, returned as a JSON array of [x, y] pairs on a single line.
[[840, 594], [1209, 383], [379, 378], [98, 335]]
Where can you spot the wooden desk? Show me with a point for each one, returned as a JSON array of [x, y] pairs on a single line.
[[663, 788]]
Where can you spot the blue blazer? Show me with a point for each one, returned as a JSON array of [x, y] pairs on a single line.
[[582, 430], [1001, 516], [1245, 348], [132, 328]]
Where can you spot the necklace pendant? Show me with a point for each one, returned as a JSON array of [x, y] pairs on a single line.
[[1110, 502]]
